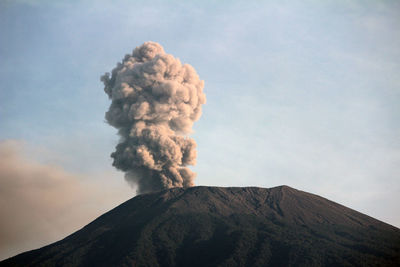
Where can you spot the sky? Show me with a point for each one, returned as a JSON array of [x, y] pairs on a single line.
[[299, 93]]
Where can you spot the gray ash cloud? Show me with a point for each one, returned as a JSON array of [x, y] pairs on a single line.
[[155, 101]]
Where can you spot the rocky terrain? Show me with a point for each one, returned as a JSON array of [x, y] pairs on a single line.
[[215, 226]]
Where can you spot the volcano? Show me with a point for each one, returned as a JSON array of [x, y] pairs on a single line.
[[233, 226]]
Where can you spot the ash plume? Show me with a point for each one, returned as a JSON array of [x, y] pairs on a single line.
[[155, 101]]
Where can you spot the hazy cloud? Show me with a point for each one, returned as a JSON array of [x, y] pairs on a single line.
[[40, 203]]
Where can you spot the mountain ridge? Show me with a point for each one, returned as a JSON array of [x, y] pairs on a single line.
[[225, 226]]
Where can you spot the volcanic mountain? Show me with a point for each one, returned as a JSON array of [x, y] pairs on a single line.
[[214, 226]]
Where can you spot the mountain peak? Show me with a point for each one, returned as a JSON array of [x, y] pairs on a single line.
[[225, 226]]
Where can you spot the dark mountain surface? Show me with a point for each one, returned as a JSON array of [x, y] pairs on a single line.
[[214, 226]]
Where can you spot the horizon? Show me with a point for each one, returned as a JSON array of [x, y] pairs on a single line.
[[299, 94]]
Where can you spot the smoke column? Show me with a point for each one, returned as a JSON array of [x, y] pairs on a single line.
[[154, 102]]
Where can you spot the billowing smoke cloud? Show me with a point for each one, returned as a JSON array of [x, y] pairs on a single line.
[[155, 101]]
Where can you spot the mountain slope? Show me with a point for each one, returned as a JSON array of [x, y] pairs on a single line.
[[213, 226]]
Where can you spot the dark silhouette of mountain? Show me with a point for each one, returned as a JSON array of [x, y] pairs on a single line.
[[214, 226]]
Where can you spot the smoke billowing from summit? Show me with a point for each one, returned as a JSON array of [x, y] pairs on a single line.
[[155, 101]]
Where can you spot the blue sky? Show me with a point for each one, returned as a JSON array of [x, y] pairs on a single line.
[[302, 93]]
